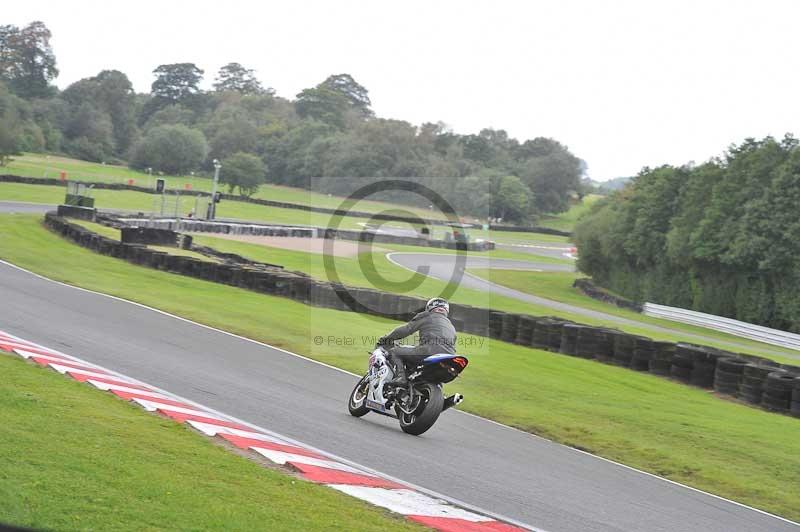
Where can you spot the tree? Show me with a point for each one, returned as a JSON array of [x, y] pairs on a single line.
[[550, 171], [355, 93], [27, 62], [90, 133], [176, 82], [323, 104], [173, 149], [110, 93], [512, 200], [9, 125], [236, 78], [245, 171], [332, 100]]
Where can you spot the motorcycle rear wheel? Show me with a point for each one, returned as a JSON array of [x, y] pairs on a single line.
[[357, 403], [426, 414]]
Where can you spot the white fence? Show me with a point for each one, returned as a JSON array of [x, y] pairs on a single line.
[[737, 328]]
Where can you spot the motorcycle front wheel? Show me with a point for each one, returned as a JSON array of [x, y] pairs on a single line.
[[357, 404], [426, 414]]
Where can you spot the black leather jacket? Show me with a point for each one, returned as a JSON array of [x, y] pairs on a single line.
[[436, 333]]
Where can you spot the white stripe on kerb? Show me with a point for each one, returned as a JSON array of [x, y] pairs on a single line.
[[408, 502], [106, 387], [152, 406], [280, 457], [64, 369]]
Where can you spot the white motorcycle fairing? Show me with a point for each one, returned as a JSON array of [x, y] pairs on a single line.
[[380, 372]]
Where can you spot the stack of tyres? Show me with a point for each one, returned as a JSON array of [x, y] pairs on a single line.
[[586, 342], [751, 388], [554, 335], [388, 305], [643, 353], [496, 325], [704, 366], [728, 376], [509, 324], [569, 338], [607, 348], [682, 362], [624, 346], [778, 391], [525, 330], [661, 364], [541, 333], [794, 406]]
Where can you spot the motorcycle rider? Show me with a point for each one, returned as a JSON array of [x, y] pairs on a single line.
[[436, 336]]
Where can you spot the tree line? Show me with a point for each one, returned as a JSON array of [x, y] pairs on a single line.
[[722, 237], [327, 139]]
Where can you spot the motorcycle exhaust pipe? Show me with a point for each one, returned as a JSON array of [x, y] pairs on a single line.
[[452, 401]]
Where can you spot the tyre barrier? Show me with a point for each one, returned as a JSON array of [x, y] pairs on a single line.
[[554, 334], [777, 394], [752, 379], [587, 287], [643, 353], [541, 332], [496, 325], [794, 406], [569, 339], [525, 328], [728, 376], [624, 345], [255, 229], [509, 327]]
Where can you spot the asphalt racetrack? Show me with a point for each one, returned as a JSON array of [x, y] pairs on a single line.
[[477, 461]]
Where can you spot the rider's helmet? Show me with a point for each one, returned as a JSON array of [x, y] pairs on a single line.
[[438, 303]]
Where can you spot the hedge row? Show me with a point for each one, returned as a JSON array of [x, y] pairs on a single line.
[[756, 380]]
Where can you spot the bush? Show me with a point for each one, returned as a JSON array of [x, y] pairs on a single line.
[[245, 171], [172, 149]]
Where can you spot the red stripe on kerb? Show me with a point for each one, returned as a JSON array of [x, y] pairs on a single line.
[[10, 345], [451, 524], [324, 475], [246, 443], [129, 395], [181, 418], [67, 363], [83, 378]]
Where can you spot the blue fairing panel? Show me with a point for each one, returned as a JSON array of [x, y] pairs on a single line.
[[438, 358]]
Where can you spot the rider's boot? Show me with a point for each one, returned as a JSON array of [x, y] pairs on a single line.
[[400, 378]]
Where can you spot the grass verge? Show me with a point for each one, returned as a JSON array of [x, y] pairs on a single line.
[[566, 220], [72, 458], [682, 433], [50, 166]]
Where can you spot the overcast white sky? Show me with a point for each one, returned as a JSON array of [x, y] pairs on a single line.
[[623, 84]]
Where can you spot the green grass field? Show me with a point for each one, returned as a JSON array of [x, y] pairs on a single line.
[[51, 166], [682, 433], [75, 458], [566, 220], [43, 166]]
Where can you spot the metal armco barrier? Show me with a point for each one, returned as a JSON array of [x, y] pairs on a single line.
[[728, 325]]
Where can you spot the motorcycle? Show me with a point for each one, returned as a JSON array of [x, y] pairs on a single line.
[[418, 404]]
